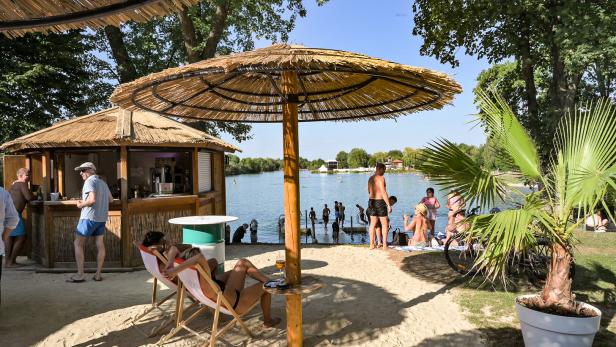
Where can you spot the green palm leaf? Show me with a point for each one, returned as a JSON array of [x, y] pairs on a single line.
[[585, 163], [503, 126], [507, 234], [452, 169]]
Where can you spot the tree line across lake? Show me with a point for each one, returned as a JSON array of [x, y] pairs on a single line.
[[357, 157]]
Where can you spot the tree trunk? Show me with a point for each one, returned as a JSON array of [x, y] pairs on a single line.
[[558, 89], [124, 65], [528, 73], [218, 26], [189, 36], [557, 293]]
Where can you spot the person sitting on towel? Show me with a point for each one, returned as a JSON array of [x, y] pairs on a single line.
[[418, 225], [231, 283]]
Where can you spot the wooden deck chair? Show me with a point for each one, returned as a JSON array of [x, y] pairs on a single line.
[[151, 257], [189, 278]]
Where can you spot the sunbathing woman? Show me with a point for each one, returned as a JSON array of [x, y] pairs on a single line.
[[458, 225], [419, 226], [156, 240], [455, 202], [231, 283]]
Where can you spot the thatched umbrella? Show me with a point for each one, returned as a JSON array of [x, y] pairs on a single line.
[[287, 84], [20, 17]]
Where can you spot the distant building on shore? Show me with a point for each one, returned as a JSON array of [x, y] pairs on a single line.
[[332, 165], [397, 164], [323, 169]]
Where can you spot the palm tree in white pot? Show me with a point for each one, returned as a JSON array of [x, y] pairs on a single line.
[[570, 187]]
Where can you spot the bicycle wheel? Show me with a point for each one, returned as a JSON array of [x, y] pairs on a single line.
[[460, 256], [537, 263]]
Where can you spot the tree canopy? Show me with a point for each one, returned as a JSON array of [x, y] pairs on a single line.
[[45, 78], [563, 50], [342, 159]]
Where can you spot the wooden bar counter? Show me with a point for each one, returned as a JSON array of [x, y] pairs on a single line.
[[52, 227]]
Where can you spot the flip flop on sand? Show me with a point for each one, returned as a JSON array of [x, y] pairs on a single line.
[[73, 279], [97, 279]]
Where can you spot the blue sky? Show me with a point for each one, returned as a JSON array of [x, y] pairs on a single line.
[[380, 29]]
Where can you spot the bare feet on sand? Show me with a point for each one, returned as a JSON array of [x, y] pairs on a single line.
[[272, 322]]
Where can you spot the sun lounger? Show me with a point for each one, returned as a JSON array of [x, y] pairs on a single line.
[[150, 261], [189, 278]]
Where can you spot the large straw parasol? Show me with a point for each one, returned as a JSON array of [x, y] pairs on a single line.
[[20, 17], [289, 84]]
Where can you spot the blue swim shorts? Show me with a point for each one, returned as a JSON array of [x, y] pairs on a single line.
[[89, 228], [20, 229]]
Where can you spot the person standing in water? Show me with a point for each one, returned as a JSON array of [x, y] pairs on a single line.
[[326, 212], [378, 204], [313, 220], [254, 225], [341, 208]]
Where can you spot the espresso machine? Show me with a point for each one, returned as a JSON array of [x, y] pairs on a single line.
[[163, 174]]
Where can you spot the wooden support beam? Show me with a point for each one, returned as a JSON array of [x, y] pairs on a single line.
[[125, 232], [289, 86], [46, 174]]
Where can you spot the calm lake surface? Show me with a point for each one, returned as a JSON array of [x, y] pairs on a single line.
[[260, 196]]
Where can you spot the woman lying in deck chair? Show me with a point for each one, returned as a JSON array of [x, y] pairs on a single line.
[[231, 283]]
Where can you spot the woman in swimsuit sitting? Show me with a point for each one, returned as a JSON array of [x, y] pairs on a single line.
[[419, 226], [231, 283]]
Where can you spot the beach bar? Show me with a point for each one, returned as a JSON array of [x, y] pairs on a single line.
[[156, 168]]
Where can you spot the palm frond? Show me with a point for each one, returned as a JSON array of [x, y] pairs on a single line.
[[507, 234], [507, 132], [452, 169], [585, 163]]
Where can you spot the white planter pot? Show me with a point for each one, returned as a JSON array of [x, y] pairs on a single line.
[[548, 330]]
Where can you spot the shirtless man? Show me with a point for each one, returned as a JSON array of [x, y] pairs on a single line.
[[20, 193], [378, 204], [325, 217]]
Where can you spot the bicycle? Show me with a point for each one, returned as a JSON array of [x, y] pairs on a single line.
[[534, 263]]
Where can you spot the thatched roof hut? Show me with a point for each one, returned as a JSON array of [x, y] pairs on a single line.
[[18, 18], [116, 127]]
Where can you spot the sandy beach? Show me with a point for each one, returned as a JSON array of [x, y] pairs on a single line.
[[369, 300]]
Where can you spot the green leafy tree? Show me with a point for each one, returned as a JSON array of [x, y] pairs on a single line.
[[315, 164], [557, 40], [395, 154], [342, 159], [194, 34], [45, 78], [577, 180], [358, 158]]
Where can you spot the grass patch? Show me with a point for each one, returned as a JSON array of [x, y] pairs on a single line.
[[491, 308]]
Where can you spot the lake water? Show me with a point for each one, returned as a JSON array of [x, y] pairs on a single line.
[[260, 196]]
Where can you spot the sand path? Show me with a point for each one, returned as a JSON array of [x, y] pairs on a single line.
[[368, 300]]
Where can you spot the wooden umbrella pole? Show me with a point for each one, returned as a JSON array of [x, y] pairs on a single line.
[[289, 87]]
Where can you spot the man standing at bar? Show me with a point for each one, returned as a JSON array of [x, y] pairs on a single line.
[[94, 207], [378, 204], [8, 222], [20, 192]]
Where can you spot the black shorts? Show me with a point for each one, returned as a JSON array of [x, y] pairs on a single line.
[[377, 208], [325, 220]]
